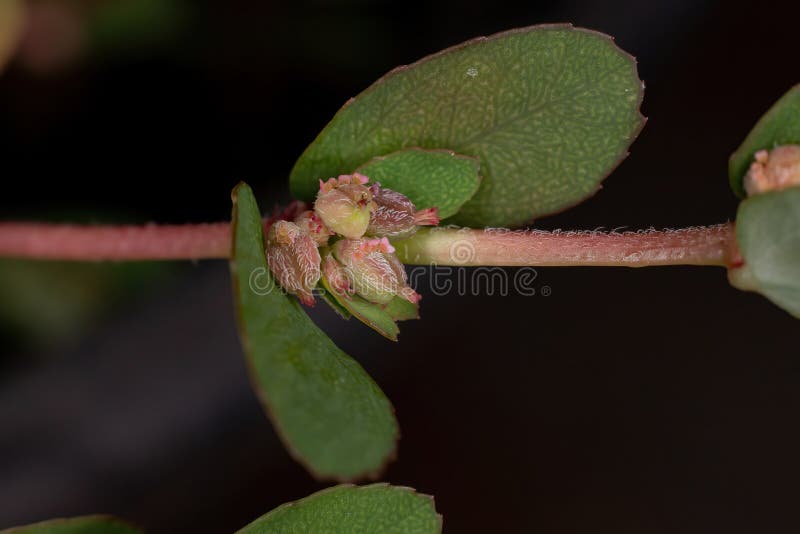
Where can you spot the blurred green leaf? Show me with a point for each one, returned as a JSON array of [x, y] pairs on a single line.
[[377, 508], [330, 414], [548, 110], [47, 302], [12, 23], [90, 524], [768, 233], [780, 125], [137, 26], [429, 178]]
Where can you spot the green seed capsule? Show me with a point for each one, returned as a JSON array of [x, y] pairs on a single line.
[[344, 204]]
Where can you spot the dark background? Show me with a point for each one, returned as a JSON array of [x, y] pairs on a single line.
[[655, 400]]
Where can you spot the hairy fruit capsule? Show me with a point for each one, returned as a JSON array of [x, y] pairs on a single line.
[[396, 216], [294, 260], [375, 272], [344, 205]]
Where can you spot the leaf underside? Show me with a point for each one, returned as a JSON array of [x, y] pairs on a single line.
[[768, 234], [780, 125], [548, 110], [378, 508], [330, 414]]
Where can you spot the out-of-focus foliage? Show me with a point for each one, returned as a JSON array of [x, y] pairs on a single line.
[[133, 26], [90, 524], [46, 303], [49, 36], [11, 24]]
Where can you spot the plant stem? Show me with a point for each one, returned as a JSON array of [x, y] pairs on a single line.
[[115, 243], [42, 241], [711, 245]]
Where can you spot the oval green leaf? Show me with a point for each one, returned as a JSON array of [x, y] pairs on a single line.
[[780, 125], [548, 110], [90, 524], [429, 178], [768, 234], [331, 415], [378, 508]]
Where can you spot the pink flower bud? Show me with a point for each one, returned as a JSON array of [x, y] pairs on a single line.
[[294, 260], [396, 216], [375, 272], [344, 204], [311, 224]]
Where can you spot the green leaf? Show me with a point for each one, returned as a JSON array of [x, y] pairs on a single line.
[[429, 178], [377, 508], [548, 110], [768, 234], [90, 524], [780, 125], [400, 309], [367, 312], [330, 414]]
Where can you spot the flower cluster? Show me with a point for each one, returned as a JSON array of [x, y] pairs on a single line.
[[344, 240], [773, 170]]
